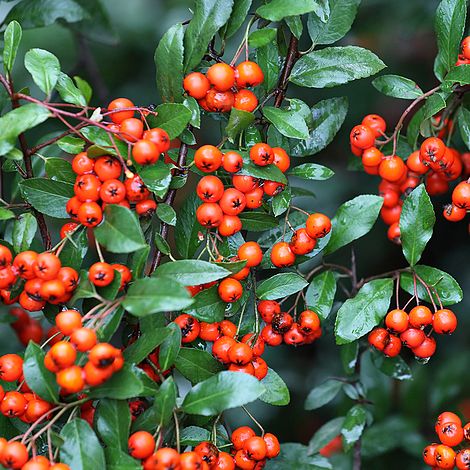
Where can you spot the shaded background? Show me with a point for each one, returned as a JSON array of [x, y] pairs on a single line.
[[121, 63]]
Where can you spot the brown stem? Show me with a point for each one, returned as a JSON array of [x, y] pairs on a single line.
[[291, 58], [357, 455]]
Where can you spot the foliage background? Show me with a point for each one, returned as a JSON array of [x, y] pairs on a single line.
[[401, 34]]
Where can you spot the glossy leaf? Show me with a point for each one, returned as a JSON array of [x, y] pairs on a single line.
[[145, 344], [223, 391], [257, 221], [207, 306], [397, 87], [193, 435], [197, 365], [458, 74], [268, 59], [464, 125], [156, 177], [357, 316], [312, 171], [12, 38], [191, 272], [239, 12], [276, 10], [68, 91], [333, 66], [294, 455], [268, 172], [171, 117], [394, 367], [238, 121], [170, 347], [349, 356], [287, 122], [60, 170], [276, 392], [352, 220], [24, 229], [112, 422], [71, 144], [323, 394], [44, 67], [321, 293], [261, 37], [280, 285], [166, 213], [325, 434], [120, 231], [416, 224], [353, 426], [281, 202], [187, 227], [117, 459]]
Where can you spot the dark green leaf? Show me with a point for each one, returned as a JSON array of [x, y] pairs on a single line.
[[193, 106], [311, 171], [47, 196], [276, 392], [458, 74], [323, 394], [110, 325], [156, 177], [281, 202], [353, 219], [261, 37], [416, 224], [433, 105], [268, 172], [239, 12], [12, 39], [295, 25], [193, 435], [287, 122], [85, 289], [24, 230], [464, 125], [413, 129], [397, 87], [112, 422], [190, 272], [276, 10], [71, 144], [325, 434], [116, 459], [138, 261], [197, 365], [294, 455], [44, 67], [257, 221], [239, 120], [84, 87], [68, 91], [169, 64], [60, 170], [321, 293], [349, 356], [280, 285], [209, 16], [171, 117], [328, 117], [156, 294], [38, 378], [339, 22], [394, 367], [268, 59], [353, 426], [187, 227], [145, 344], [81, 449], [333, 66], [446, 286], [221, 392], [357, 316], [166, 213], [162, 244], [17, 121], [170, 347], [450, 25], [120, 231], [207, 306]]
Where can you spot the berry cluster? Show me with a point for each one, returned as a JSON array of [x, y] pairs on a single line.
[[225, 87], [14, 454], [102, 274], [434, 163], [221, 207], [410, 329], [451, 433], [46, 280], [103, 359], [281, 327], [303, 240], [464, 56], [26, 328]]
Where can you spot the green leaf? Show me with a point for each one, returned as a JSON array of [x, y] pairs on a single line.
[[38, 378], [60, 170], [12, 39], [463, 118], [189, 272], [397, 87], [450, 26], [47, 196], [44, 67], [156, 294], [323, 394], [394, 367], [110, 325], [156, 177], [357, 316], [207, 306], [339, 22], [238, 121], [328, 117], [116, 459], [193, 435], [17, 121], [268, 172], [353, 219], [416, 224], [68, 91], [187, 227], [276, 392], [112, 422], [166, 213], [261, 37], [288, 122], [145, 344], [353, 426], [458, 74], [325, 434], [71, 144], [237, 18], [85, 289], [120, 231], [24, 230], [321, 293], [84, 87], [171, 117], [281, 202], [209, 16], [280, 285], [257, 221], [446, 286], [268, 59], [169, 64], [294, 455], [433, 105], [333, 66], [170, 347], [224, 391], [295, 25], [39, 13], [81, 449], [349, 356], [162, 244], [276, 10], [160, 413], [6, 214], [197, 365], [312, 171]]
